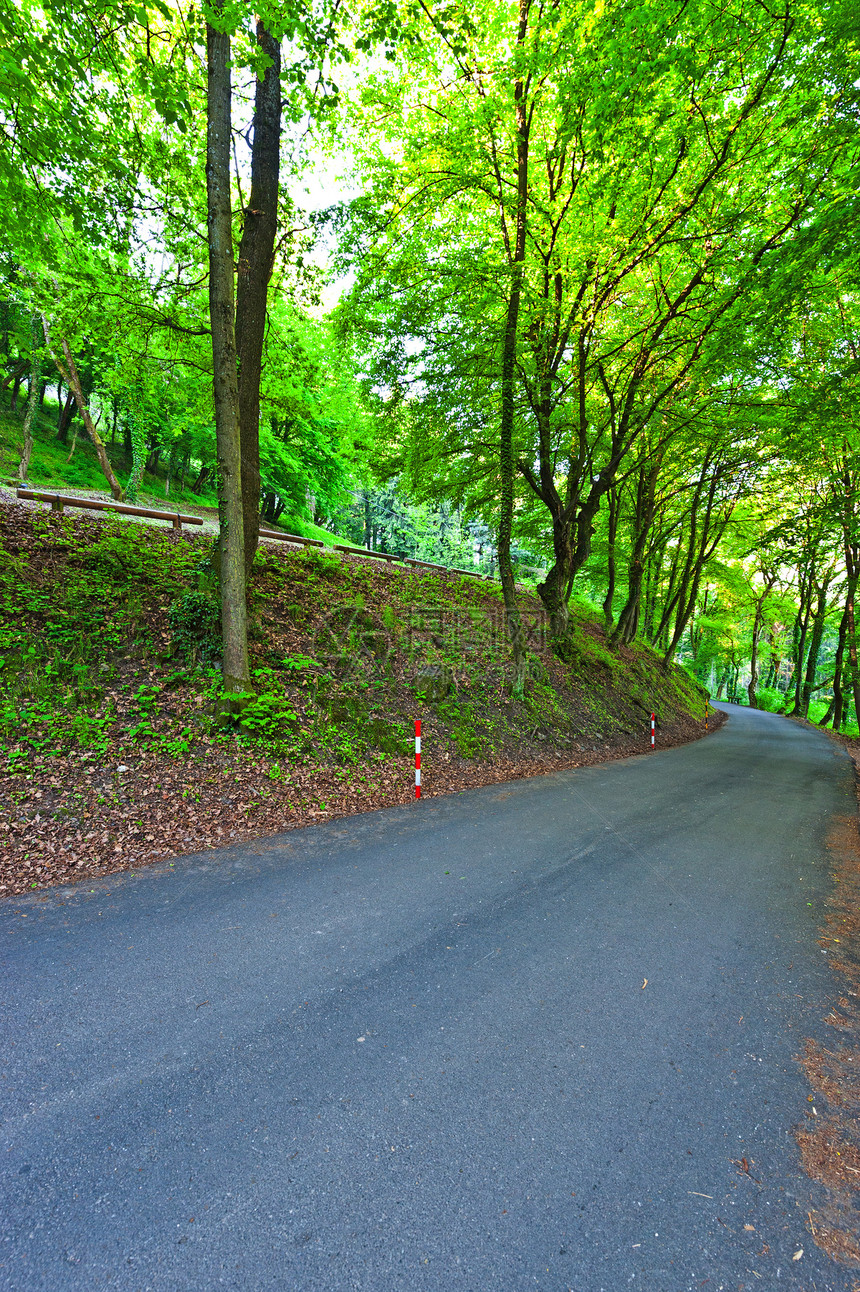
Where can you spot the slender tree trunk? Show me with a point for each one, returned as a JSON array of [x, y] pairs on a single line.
[[834, 712], [814, 649], [752, 688], [234, 625], [660, 634], [853, 571], [612, 531], [628, 620], [711, 531], [801, 628], [853, 673], [69, 372], [841, 715], [770, 674], [653, 574], [32, 401], [256, 256]]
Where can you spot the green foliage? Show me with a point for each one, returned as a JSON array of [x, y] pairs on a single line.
[[468, 734], [771, 700], [322, 565], [298, 663], [268, 716]]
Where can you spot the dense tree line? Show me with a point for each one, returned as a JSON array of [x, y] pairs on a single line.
[[600, 315]]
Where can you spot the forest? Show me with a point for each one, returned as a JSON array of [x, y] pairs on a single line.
[[564, 292]]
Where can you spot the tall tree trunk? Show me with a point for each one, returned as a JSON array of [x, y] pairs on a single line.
[[256, 256], [506, 465], [752, 685], [509, 354], [814, 649], [234, 626], [32, 401], [69, 372]]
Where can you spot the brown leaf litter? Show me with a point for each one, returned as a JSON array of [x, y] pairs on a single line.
[[830, 1141]]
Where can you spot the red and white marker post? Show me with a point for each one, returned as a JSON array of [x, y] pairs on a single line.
[[653, 728], [418, 758]]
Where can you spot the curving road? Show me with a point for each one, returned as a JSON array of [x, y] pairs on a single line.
[[413, 1050]]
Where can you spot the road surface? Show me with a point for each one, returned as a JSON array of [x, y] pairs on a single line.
[[521, 1037]]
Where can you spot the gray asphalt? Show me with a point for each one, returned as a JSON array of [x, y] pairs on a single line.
[[414, 1049]]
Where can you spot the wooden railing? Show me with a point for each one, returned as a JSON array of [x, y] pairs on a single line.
[[366, 552], [58, 501]]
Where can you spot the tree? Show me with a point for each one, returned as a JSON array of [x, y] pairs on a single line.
[[231, 543], [522, 237], [256, 257]]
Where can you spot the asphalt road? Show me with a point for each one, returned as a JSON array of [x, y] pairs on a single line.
[[416, 1049]]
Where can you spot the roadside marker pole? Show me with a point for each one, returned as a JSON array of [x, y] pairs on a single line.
[[418, 758], [653, 728]]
